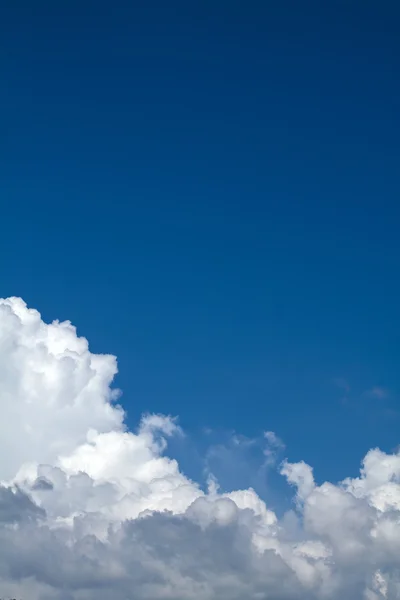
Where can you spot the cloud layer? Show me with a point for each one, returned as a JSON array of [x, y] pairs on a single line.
[[90, 510]]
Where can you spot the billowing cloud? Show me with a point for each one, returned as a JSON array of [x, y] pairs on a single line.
[[90, 510]]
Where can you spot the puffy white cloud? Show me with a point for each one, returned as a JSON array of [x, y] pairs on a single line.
[[90, 510], [53, 390], [301, 475]]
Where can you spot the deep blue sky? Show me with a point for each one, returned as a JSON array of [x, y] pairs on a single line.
[[210, 190]]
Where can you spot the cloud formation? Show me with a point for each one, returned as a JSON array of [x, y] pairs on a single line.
[[90, 510]]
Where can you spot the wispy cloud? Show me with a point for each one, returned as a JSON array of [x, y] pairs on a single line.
[[342, 384], [344, 387], [273, 448], [377, 392]]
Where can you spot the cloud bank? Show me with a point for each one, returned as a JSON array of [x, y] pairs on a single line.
[[90, 510]]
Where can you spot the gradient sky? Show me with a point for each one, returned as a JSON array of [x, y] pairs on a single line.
[[210, 191]]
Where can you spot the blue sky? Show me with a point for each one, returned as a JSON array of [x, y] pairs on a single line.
[[210, 192]]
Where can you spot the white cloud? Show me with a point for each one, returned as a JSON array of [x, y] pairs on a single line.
[[273, 448], [300, 475], [90, 510]]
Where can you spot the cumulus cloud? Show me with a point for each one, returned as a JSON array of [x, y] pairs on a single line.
[[90, 510]]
